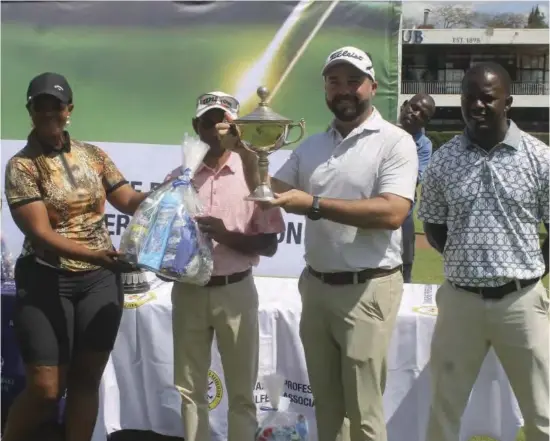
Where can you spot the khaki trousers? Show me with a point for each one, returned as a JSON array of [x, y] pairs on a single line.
[[345, 331], [231, 311], [517, 327]]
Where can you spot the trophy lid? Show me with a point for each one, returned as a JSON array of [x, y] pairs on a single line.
[[263, 112]]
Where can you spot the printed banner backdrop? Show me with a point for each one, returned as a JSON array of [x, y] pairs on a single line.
[[134, 160], [136, 69]]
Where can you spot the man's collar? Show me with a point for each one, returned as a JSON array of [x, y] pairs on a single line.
[[372, 124], [232, 164], [512, 138], [32, 140]]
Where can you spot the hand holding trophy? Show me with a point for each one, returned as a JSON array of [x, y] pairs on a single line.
[[263, 132], [229, 135]]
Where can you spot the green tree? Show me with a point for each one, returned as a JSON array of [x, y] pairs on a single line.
[[536, 19], [502, 21], [454, 16]]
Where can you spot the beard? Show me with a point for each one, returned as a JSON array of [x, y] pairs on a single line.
[[347, 108]]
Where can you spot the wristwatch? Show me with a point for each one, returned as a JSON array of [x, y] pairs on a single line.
[[314, 212]]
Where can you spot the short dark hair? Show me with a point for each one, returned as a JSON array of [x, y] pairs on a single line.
[[493, 68]]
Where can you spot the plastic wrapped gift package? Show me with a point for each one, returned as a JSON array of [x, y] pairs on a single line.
[[163, 236], [277, 423], [283, 426], [7, 269], [8, 264]]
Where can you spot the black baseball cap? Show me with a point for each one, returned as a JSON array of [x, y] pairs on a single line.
[[50, 84]]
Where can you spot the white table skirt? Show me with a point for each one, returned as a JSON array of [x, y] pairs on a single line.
[[137, 390]]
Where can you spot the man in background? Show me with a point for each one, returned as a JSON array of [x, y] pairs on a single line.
[[415, 115]]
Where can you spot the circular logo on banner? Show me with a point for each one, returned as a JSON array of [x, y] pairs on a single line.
[[215, 390], [133, 301], [426, 309]]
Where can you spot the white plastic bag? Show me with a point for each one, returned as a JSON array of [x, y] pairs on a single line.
[[7, 269], [163, 236], [277, 423]]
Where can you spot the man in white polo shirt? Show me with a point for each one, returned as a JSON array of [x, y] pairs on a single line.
[[356, 183]]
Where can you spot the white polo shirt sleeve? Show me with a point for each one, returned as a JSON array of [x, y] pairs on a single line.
[[399, 169], [433, 204], [289, 172]]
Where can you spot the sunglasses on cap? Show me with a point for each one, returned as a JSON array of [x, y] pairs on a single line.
[[227, 102]]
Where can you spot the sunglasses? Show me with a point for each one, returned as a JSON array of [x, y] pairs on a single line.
[[46, 105], [227, 102], [207, 124]]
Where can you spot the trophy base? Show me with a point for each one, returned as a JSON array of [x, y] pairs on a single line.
[[262, 193], [135, 282]]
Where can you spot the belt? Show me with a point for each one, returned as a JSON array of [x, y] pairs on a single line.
[[498, 292], [351, 278], [228, 280]]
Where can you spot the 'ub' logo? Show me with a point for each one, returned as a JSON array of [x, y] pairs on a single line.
[[414, 36]]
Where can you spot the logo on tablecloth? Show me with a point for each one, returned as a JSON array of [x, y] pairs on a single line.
[[133, 301], [428, 306], [215, 390], [7, 384], [426, 309]]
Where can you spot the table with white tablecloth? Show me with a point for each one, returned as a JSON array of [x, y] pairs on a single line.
[[138, 393]]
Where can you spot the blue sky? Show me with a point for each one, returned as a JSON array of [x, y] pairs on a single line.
[[516, 7], [415, 10]]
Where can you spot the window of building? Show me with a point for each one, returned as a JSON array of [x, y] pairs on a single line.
[[532, 68]]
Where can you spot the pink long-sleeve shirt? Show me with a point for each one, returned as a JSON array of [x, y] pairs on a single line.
[[222, 195]]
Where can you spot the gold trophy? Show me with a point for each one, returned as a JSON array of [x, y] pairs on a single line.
[[263, 132]]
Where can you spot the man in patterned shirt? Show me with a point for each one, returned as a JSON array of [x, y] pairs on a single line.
[[484, 196]]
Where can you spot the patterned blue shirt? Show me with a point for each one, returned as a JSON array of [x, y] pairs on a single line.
[[424, 150], [493, 204]]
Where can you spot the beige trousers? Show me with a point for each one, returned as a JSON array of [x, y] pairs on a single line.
[[231, 311], [345, 331], [517, 327]]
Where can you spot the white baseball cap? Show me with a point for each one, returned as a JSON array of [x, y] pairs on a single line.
[[351, 55], [218, 100]]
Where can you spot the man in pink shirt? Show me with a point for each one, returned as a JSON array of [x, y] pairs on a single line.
[[228, 305]]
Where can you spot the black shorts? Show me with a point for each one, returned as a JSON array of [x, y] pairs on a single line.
[[58, 313]]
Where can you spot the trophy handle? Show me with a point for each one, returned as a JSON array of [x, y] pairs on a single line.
[[301, 125], [248, 147]]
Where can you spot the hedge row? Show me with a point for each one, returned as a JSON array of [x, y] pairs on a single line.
[[440, 138]]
